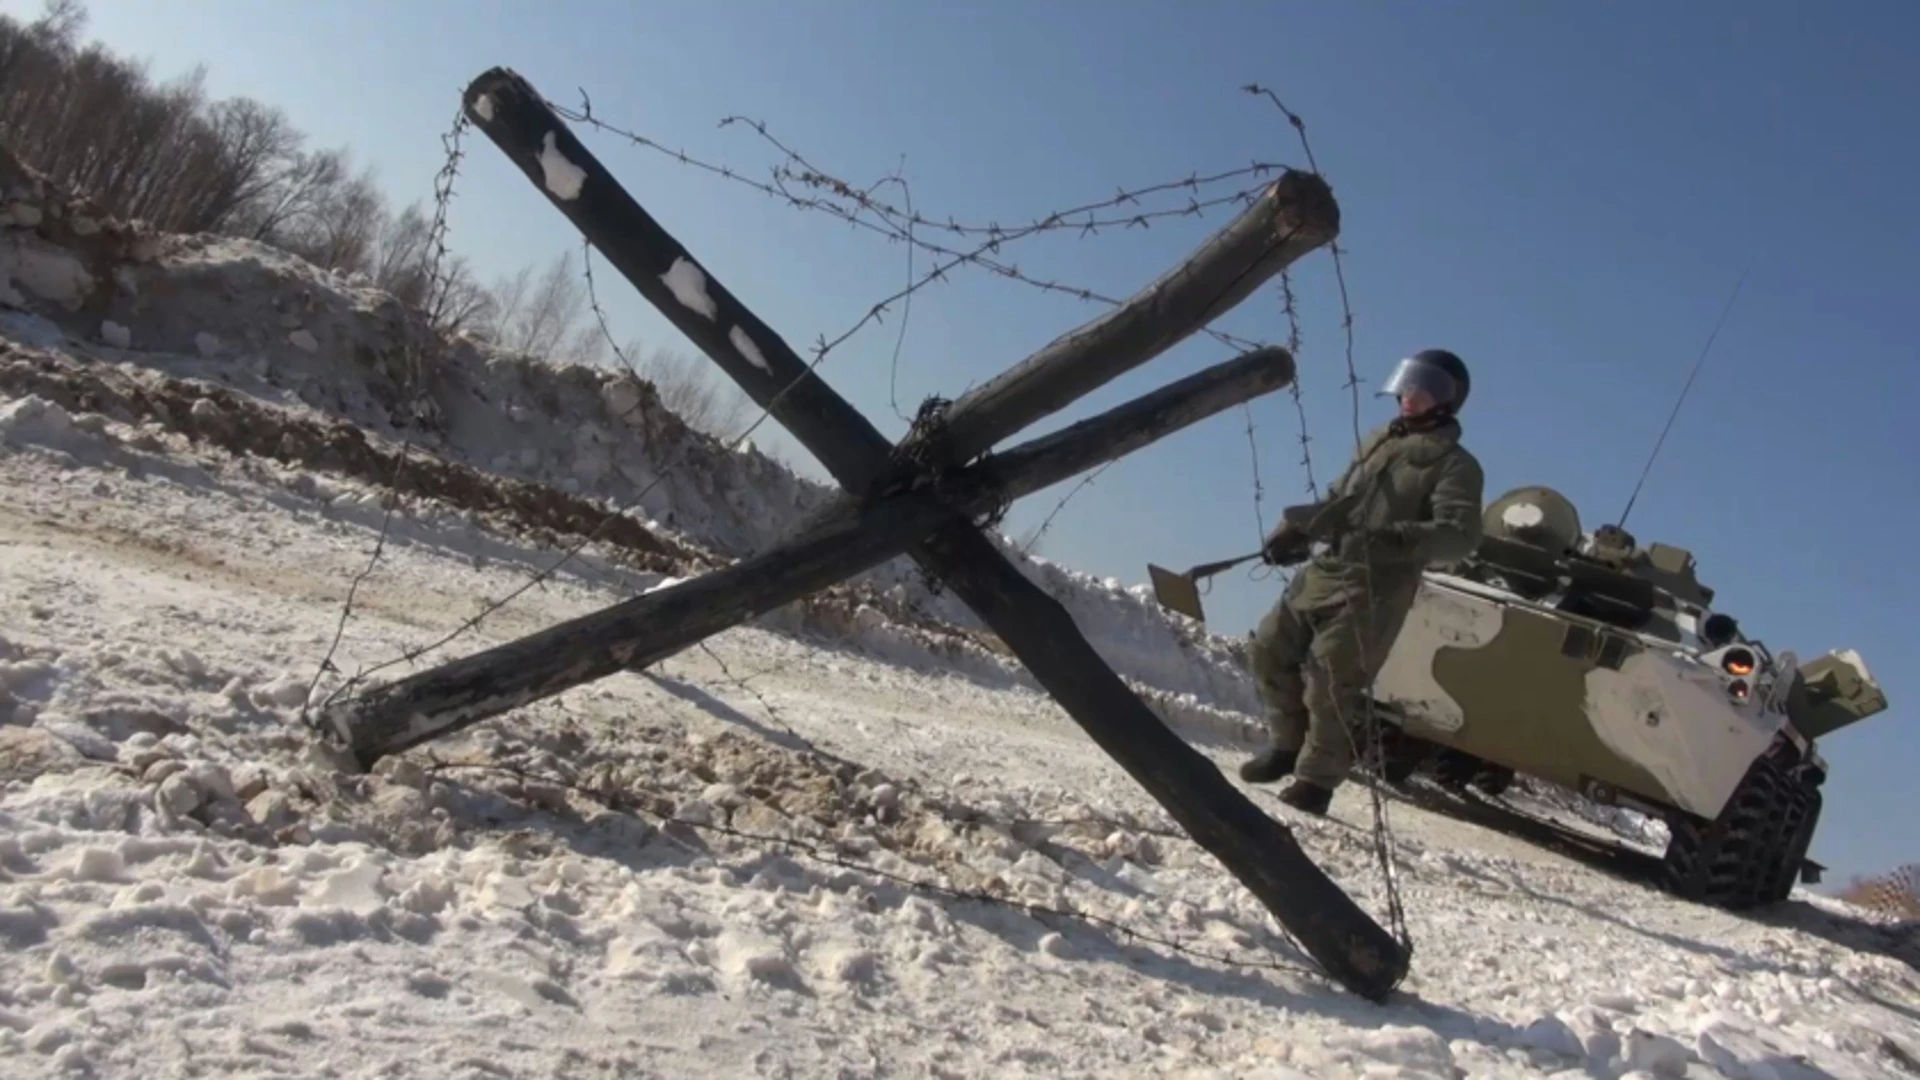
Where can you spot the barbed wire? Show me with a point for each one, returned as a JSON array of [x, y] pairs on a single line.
[[1373, 757], [1046, 523], [900, 225], [806, 174], [894, 223], [1292, 313], [907, 226], [438, 281], [900, 340]]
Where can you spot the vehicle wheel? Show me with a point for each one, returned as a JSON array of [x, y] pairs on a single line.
[[1403, 755], [1800, 820], [1740, 859], [1493, 780], [1454, 770]]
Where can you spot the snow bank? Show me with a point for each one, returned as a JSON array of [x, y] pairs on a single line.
[[257, 322]]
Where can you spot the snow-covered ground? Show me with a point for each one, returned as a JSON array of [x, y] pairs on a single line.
[[741, 862], [188, 892]]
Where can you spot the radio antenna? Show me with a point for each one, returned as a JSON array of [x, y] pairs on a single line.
[[1658, 443]]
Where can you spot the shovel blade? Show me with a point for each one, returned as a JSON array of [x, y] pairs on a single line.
[[1176, 592]]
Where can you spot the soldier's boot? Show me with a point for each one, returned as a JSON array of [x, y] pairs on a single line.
[[1310, 797], [1270, 766]]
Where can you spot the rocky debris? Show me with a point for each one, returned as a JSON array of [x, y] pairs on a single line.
[[726, 791], [26, 753], [60, 250]]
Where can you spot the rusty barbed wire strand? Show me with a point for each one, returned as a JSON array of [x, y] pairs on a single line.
[[902, 226], [899, 225], [997, 237], [1333, 249], [1047, 522], [1299, 404], [1374, 756], [810, 176], [437, 281], [900, 340]]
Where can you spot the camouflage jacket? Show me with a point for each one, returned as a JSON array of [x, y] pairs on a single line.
[[1415, 500]]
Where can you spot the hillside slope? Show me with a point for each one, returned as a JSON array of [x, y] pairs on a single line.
[[278, 342]]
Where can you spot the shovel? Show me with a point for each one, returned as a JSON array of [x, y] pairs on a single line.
[[1181, 592]]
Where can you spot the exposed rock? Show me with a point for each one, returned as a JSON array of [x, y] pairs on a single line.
[[29, 752]]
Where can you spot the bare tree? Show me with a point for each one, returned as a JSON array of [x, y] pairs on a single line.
[[341, 228], [97, 124], [688, 389], [402, 264], [295, 191], [29, 54], [547, 316]]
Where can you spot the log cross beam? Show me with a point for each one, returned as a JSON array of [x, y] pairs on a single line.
[[920, 498]]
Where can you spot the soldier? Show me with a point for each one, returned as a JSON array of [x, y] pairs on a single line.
[[1410, 499]]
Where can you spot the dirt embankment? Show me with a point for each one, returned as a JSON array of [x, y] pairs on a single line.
[[240, 424]]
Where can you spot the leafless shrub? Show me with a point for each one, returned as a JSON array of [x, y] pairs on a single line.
[[690, 390], [98, 125], [546, 316], [1895, 893]]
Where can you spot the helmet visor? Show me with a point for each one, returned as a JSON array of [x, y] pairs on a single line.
[[1416, 374]]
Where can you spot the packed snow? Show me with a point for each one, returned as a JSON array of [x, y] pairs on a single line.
[[850, 839]]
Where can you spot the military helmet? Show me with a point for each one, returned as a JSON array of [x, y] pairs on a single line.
[[1436, 371]]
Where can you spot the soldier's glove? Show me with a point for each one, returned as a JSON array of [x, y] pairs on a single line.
[[1292, 540], [1286, 547]]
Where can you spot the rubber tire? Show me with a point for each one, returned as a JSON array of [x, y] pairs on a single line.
[[1741, 859], [1454, 770], [1404, 755], [1493, 780], [1801, 819]]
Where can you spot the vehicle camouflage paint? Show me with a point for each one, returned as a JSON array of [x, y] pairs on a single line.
[[1588, 661]]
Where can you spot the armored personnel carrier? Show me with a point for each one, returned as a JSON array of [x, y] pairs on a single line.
[[1591, 662]]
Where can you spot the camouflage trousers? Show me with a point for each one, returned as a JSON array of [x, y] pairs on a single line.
[[1315, 656]]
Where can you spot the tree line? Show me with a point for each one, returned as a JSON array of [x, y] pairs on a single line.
[[96, 123]]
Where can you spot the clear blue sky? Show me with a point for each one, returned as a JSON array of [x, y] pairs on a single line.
[[1562, 193]]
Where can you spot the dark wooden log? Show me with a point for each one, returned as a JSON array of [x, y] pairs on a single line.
[[646, 629], [1258, 850], [512, 113], [1121, 430], [1292, 217], [633, 633], [1343, 938]]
